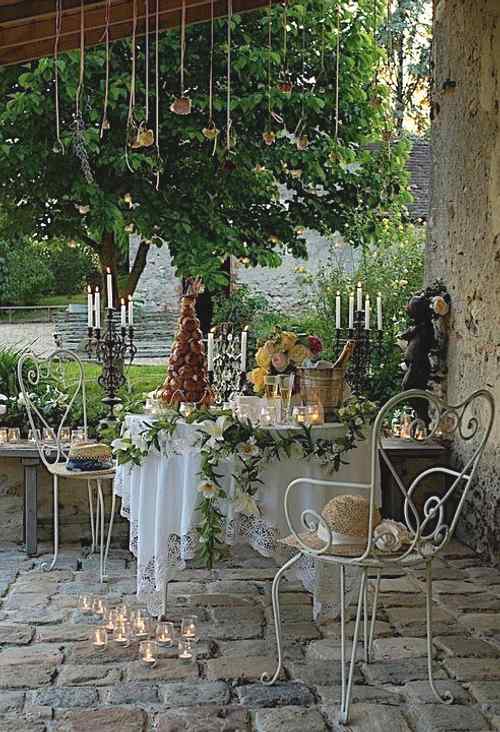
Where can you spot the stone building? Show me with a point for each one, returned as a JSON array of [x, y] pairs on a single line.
[[464, 226]]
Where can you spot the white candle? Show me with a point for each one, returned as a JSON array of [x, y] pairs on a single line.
[[123, 310], [244, 343], [90, 307], [130, 311], [109, 283], [97, 307], [210, 354], [337, 311], [379, 311], [360, 297], [351, 311], [367, 313]]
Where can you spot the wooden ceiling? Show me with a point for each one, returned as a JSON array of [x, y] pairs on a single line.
[[27, 27]]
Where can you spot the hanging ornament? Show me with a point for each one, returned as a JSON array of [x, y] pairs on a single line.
[[228, 92], [299, 136], [58, 145], [285, 85], [182, 105], [79, 142], [210, 132], [337, 74], [157, 95], [268, 135], [145, 135], [132, 139], [105, 125]]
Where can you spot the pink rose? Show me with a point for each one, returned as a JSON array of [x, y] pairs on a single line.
[[280, 361], [315, 345]]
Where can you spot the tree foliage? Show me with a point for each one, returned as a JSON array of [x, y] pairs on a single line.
[[210, 204]]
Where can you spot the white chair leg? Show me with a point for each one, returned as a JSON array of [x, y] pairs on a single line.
[[266, 678], [365, 623], [447, 697], [55, 486], [342, 629], [373, 618], [346, 700], [91, 512], [110, 527], [101, 530]]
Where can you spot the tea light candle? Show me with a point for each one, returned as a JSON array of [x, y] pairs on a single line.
[[147, 649], [110, 618], [189, 627], [315, 414], [100, 606], [4, 435], [100, 639], [165, 633], [141, 628], [299, 414], [86, 604], [185, 652], [121, 634]]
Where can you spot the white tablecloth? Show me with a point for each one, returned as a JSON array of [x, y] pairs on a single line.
[[160, 498]]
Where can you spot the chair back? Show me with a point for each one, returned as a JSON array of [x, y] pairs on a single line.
[[431, 525], [227, 363], [49, 393]]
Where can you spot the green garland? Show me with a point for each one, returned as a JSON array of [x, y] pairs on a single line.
[[221, 436]]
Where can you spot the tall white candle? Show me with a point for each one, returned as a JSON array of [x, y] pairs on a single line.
[[130, 311], [351, 311], [359, 304], [109, 283], [90, 307], [367, 312], [337, 311], [379, 311], [244, 343], [210, 353], [123, 313], [97, 307]]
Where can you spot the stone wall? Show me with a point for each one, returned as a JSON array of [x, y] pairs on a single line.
[[464, 232]]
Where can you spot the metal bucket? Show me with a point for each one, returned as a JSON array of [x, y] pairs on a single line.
[[323, 386]]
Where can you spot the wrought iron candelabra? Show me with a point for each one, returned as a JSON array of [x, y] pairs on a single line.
[[111, 346], [366, 344]]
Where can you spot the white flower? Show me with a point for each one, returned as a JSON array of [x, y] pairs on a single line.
[[215, 430], [246, 504], [3, 398], [248, 449], [208, 489], [20, 400], [390, 536], [120, 444]]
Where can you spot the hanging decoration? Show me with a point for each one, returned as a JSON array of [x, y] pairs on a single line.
[[182, 105], [300, 137], [269, 136], [210, 131], [58, 145], [79, 143], [285, 85], [131, 139], [105, 125], [146, 136], [337, 75], [228, 91], [157, 94]]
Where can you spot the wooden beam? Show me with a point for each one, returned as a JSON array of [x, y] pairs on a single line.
[[27, 29]]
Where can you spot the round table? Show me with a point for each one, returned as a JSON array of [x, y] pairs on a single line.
[[160, 499]]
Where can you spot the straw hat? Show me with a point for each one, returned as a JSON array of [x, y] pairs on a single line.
[[347, 517]]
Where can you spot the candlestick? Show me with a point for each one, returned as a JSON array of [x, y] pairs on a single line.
[[109, 283], [90, 308], [130, 311], [97, 308], [123, 314], [244, 342], [210, 351], [360, 297], [379, 311], [337, 310], [351, 311], [367, 312]]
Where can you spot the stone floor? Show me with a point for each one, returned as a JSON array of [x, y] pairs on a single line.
[[52, 679]]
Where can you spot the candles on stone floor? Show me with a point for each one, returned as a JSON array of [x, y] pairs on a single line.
[[185, 650], [86, 604], [100, 639], [122, 633], [189, 628], [148, 653], [100, 607], [140, 625], [109, 619], [165, 634]]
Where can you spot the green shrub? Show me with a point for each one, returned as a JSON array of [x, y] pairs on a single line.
[[25, 275], [72, 266]]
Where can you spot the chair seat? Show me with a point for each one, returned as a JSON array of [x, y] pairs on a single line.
[[62, 471]]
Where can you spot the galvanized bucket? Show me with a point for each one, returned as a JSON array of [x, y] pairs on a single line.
[[323, 386]]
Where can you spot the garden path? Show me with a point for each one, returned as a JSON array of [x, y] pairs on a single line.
[[51, 679]]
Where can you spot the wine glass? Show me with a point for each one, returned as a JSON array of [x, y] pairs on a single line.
[[285, 387]]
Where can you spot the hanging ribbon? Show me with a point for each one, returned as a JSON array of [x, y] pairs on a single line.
[[81, 80], [146, 10], [337, 70], [59, 147], [183, 44], [131, 126], [157, 92], [210, 131], [107, 21], [228, 100]]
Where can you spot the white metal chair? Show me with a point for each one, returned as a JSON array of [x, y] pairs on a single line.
[[427, 531], [32, 374]]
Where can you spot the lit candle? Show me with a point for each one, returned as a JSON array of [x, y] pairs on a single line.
[[147, 650], [359, 297], [165, 633], [337, 311], [97, 307], [244, 343], [109, 283], [90, 307], [367, 312], [86, 604], [379, 311], [185, 652], [130, 311], [351, 311], [210, 353], [100, 638], [123, 311]]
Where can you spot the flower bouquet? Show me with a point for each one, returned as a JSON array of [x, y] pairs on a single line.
[[282, 353]]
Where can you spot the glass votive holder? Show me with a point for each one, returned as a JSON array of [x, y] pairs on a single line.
[[34, 435], [86, 604], [299, 415], [165, 634], [123, 613], [4, 435], [141, 627], [100, 607], [187, 408], [78, 435], [315, 414], [189, 628], [110, 619], [65, 434], [148, 653], [122, 633], [48, 435], [185, 650], [14, 434], [100, 639]]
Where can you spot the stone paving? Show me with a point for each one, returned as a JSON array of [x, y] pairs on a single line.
[[52, 679]]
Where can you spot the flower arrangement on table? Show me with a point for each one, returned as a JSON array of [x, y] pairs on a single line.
[[282, 353], [223, 436]]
